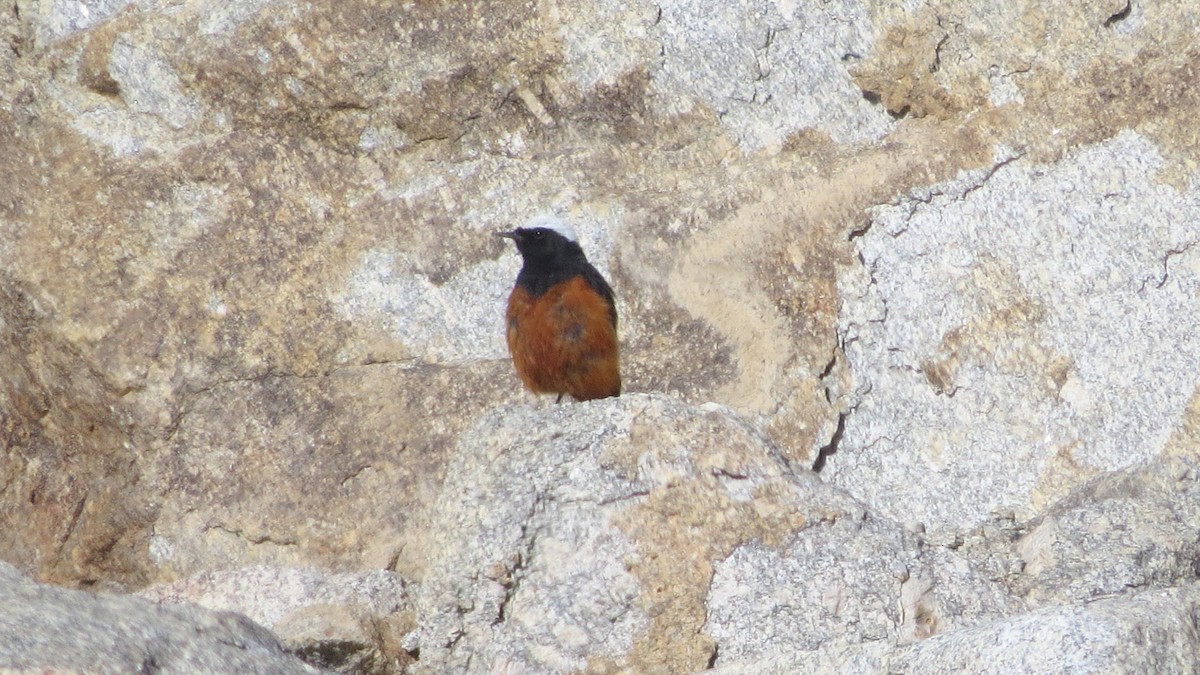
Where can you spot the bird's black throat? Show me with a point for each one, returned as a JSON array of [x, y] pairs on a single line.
[[551, 259], [537, 277]]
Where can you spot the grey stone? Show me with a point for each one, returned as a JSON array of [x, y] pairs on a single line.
[[149, 84], [55, 19], [554, 522], [768, 69], [1120, 533], [46, 628], [268, 594], [545, 546], [352, 622], [851, 583], [1015, 331], [1154, 632]]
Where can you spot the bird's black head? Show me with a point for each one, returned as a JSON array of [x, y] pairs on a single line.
[[546, 244], [552, 255]]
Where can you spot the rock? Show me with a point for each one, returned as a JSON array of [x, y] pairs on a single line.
[[277, 250], [1122, 532], [642, 534], [52, 629], [343, 622], [342, 493], [346, 639], [268, 594], [68, 500], [831, 588], [250, 315], [1154, 631], [747, 60], [997, 367]]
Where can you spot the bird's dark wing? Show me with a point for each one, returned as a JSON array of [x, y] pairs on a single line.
[[594, 279]]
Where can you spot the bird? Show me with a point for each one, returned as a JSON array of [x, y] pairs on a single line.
[[561, 316]]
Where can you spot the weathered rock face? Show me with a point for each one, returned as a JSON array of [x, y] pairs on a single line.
[[942, 251], [1013, 362], [649, 536], [48, 629], [351, 623], [1152, 632]]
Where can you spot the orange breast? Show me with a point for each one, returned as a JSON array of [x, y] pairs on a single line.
[[564, 342]]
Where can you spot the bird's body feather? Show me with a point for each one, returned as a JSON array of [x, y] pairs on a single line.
[[564, 341], [562, 318]]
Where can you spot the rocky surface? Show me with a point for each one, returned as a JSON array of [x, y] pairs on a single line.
[[907, 294], [49, 629], [1010, 359], [585, 537], [1153, 632], [350, 623]]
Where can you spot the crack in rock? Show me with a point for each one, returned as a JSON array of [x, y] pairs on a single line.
[[1013, 333]]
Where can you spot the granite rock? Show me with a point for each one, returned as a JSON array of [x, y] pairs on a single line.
[[1153, 632], [997, 367], [938, 251], [645, 535], [351, 623], [49, 629]]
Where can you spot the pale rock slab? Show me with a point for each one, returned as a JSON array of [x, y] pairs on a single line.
[[766, 69], [270, 594], [1016, 331], [349, 623], [44, 629], [560, 530], [844, 585], [1155, 632], [1124, 532], [769, 69], [647, 534]]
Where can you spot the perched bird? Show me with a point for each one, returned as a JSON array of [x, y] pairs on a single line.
[[562, 320]]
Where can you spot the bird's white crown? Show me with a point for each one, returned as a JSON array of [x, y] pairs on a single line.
[[556, 224]]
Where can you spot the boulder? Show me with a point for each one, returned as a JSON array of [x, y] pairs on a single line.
[[48, 629], [906, 294]]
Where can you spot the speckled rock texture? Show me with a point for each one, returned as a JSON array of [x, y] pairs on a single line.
[[48, 629], [585, 537], [908, 297], [1012, 362], [1153, 632], [348, 623]]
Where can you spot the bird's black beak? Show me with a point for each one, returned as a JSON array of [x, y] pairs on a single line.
[[511, 234]]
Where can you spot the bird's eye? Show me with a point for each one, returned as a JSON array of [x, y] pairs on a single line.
[[539, 234]]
